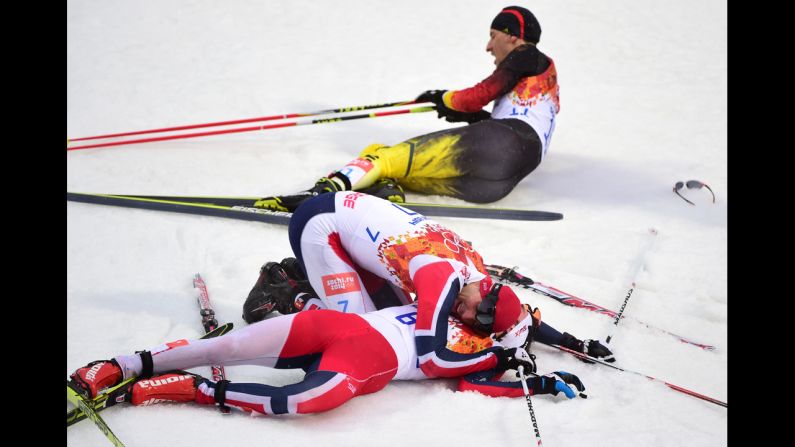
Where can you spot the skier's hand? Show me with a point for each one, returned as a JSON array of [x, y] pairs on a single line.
[[598, 350], [514, 358], [450, 115], [558, 381], [590, 347], [434, 96], [442, 111]]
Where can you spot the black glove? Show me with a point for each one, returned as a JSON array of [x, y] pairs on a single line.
[[450, 115], [514, 358], [559, 381], [591, 347], [434, 96]]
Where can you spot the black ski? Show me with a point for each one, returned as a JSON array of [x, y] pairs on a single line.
[[117, 394], [201, 209], [243, 208]]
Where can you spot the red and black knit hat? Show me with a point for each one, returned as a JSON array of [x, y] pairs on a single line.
[[499, 309], [519, 22]]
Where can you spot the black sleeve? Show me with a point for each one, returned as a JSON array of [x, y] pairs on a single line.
[[548, 335]]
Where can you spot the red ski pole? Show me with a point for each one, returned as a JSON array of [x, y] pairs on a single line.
[[669, 385], [246, 120], [255, 128]]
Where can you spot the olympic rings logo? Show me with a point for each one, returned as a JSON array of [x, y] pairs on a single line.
[[453, 242]]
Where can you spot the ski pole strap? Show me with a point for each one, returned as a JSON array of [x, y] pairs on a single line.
[[220, 393]]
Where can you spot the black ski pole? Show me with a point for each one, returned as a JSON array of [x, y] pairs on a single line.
[[638, 268]]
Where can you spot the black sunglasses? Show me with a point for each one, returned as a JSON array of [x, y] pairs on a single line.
[[692, 184], [484, 314]]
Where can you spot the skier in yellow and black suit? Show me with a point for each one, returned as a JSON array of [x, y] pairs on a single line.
[[481, 162]]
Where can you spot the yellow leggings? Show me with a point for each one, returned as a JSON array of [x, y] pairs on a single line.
[[481, 162]]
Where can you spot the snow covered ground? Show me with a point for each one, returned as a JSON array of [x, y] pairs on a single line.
[[643, 105]]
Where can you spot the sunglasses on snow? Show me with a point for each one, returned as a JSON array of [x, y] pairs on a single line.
[[692, 184]]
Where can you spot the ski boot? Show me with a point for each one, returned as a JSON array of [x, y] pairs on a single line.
[[291, 202], [173, 386], [97, 376]]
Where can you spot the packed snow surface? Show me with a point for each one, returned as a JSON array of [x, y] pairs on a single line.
[[643, 105]]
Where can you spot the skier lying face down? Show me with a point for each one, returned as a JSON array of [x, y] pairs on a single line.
[[343, 355]]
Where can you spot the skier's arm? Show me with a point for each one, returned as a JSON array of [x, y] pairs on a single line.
[[520, 63], [474, 98], [488, 383], [438, 283]]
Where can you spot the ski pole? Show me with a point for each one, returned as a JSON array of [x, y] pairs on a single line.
[[638, 268], [332, 119], [247, 120], [565, 298], [669, 385], [529, 404]]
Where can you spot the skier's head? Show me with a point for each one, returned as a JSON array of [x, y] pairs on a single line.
[[498, 311], [487, 309], [513, 27], [519, 22]]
